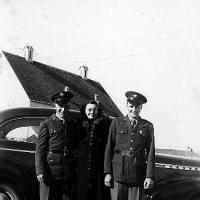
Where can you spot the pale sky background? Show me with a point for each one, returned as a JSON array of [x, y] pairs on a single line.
[[151, 46]]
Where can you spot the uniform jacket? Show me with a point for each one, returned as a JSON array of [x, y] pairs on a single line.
[[53, 136], [140, 140]]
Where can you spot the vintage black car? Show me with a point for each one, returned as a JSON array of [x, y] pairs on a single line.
[[18, 134], [176, 177]]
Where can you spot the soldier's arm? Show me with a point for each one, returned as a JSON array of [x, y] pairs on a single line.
[[41, 149], [150, 147], [106, 124], [109, 151]]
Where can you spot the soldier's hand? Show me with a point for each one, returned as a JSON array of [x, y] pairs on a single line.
[[148, 183], [107, 180], [40, 178]]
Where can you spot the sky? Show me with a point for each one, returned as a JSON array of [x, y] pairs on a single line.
[[152, 47]]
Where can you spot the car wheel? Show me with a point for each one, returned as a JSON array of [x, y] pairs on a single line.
[[9, 192]]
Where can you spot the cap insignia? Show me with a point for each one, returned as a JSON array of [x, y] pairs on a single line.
[[135, 95]]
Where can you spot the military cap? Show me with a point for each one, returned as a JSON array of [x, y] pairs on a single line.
[[135, 98], [61, 98]]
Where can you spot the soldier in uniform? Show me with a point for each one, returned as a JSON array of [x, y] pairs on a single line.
[[92, 133], [130, 152], [54, 151]]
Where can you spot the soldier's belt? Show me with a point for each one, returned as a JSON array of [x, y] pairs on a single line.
[[126, 153], [64, 152], [56, 151]]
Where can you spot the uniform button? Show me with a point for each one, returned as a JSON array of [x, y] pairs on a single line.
[[132, 133], [131, 148]]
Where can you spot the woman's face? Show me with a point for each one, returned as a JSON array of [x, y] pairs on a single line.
[[91, 111]]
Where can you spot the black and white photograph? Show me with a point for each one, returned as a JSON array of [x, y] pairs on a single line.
[[100, 100]]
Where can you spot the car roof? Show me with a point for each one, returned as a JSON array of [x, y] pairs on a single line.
[[29, 111]]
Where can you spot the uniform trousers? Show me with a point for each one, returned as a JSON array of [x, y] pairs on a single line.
[[125, 191], [57, 190]]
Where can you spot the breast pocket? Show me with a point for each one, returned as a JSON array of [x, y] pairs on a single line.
[[142, 136], [121, 136], [54, 131]]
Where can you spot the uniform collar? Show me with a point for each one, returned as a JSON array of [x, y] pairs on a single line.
[[136, 119], [130, 119], [58, 118], [140, 122]]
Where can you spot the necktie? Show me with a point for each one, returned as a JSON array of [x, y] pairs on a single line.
[[133, 123]]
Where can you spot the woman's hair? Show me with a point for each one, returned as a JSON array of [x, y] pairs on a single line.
[[82, 109]]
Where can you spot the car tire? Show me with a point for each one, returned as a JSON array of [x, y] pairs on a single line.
[[9, 192]]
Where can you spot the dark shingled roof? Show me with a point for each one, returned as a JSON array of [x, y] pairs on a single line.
[[41, 81]]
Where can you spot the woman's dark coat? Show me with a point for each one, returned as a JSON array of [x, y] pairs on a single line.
[[91, 140]]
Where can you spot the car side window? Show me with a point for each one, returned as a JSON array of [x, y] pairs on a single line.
[[26, 134]]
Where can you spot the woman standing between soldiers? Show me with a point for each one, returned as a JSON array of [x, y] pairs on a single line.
[[92, 133]]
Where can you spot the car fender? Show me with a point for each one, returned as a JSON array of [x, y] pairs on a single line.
[[173, 188], [20, 176]]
